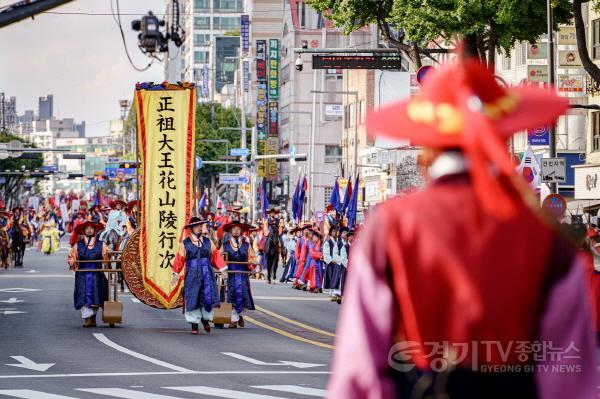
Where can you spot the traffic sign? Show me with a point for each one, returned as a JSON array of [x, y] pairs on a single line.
[[233, 178], [554, 170], [388, 61], [239, 152], [423, 71], [555, 204], [199, 163]]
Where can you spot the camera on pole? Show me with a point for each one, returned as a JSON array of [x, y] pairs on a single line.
[[151, 38]]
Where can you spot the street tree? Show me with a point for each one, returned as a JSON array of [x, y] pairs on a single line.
[[581, 32], [412, 25], [13, 183]]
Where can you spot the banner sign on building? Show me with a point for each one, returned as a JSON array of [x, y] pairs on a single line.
[[537, 73], [570, 83], [165, 122], [246, 67], [261, 60], [273, 69], [261, 148], [537, 51], [261, 114], [538, 136], [245, 32], [273, 119], [567, 35], [569, 59], [272, 149]]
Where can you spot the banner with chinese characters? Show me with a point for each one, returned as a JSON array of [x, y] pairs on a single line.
[[165, 118]]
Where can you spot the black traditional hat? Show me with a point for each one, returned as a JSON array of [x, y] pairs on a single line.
[[194, 220]]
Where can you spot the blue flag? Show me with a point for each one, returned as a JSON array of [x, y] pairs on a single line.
[[334, 199], [347, 196], [202, 203], [300, 203], [353, 206], [295, 200]]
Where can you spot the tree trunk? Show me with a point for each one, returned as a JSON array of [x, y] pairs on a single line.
[[416, 56], [589, 66], [491, 51]]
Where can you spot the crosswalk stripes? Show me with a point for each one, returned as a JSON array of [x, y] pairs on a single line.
[[320, 393], [204, 391]]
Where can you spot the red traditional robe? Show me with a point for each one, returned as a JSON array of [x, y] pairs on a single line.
[[433, 267]]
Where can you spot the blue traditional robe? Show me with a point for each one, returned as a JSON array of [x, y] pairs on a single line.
[[200, 284], [239, 293], [91, 289]]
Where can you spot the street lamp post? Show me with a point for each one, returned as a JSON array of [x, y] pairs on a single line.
[[551, 68]]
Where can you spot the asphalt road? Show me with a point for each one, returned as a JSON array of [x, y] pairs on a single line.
[[283, 352]]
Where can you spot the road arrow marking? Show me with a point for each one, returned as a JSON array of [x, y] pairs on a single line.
[[12, 300], [31, 271], [18, 290], [26, 363], [299, 365]]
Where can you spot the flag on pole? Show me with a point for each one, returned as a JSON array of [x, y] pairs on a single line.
[[220, 204], [347, 196], [98, 197], [530, 168], [295, 200], [264, 201], [300, 204], [353, 205], [334, 199], [202, 204]]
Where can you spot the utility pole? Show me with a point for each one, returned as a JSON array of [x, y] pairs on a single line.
[[551, 70], [311, 146]]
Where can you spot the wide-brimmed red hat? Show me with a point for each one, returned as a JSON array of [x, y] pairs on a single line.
[[207, 214], [237, 223], [131, 204], [81, 227], [5, 213], [114, 204], [462, 106], [17, 208]]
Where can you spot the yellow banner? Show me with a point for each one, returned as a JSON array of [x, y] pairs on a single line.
[[165, 117]]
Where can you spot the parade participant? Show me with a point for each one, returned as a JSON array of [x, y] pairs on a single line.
[[95, 215], [339, 277], [5, 218], [301, 256], [116, 225], [273, 245], [79, 219], [200, 285], [330, 259], [595, 250], [290, 245], [91, 289], [472, 279], [314, 263], [237, 249], [49, 235], [132, 209]]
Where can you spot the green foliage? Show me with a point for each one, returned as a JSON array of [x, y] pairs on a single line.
[[209, 118], [499, 23], [35, 162]]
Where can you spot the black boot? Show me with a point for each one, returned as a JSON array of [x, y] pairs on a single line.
[[194, 328], [206, 326]]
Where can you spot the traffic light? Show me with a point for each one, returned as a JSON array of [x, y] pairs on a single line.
[[128, 165]]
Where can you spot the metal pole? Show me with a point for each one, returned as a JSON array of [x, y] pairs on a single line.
[[551, 70], [242, 100], [311, 146], [355, 166], [253, 176]]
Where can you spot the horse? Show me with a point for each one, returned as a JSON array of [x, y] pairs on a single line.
[[4, 248], [18, 246]]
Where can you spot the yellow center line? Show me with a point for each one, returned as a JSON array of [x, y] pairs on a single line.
[[294, 322], [287, 334]]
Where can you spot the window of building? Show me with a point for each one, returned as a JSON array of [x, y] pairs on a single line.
[[328, 191], [506, 62], [202, 39], [201, 22], [333, 153], [362, 111], [201, 57], [521, 51], [228, 5], [302, 12], [596, 39], [226, 23], [201, 5], [285, 74], [595, 131]]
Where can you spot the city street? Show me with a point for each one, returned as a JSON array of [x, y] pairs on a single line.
[[283, 352]]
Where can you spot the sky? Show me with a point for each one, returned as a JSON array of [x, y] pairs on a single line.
[[79, 59]]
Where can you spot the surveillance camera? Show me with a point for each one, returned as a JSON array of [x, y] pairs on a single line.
[[299, 64]]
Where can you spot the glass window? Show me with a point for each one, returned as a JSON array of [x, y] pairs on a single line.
[[226, 23], [333, 153], [228, 5], [201, 39], [506, 62], [596, 39], [595, 131], [201, 57], [328, 191], [201, 5], [201, 22]]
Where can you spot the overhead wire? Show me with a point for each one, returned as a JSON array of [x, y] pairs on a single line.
[[120, 25]]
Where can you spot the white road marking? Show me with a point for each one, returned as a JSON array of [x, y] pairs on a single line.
[[16, 290], [35, 276], [148, 373], [126, 393], [29, 394], [223, 393], [26, 363], [299, 365], [12, 300], [135, 300], [102, 338], [321, 393], [10, 311], [292, 298]]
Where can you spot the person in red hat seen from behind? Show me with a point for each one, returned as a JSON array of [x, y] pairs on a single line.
[[465, 289], [91, 289]]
